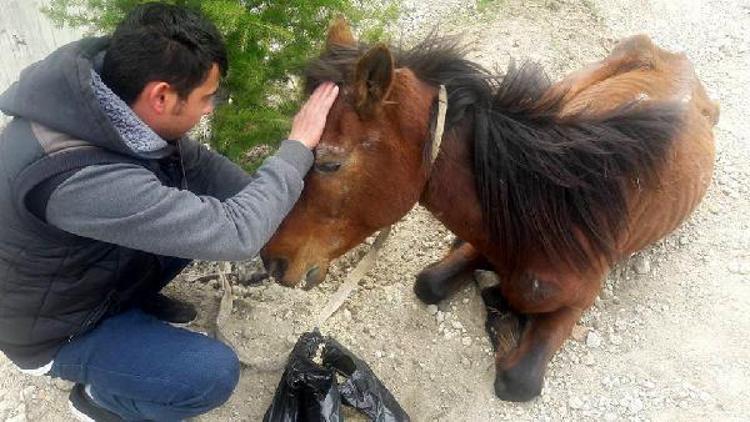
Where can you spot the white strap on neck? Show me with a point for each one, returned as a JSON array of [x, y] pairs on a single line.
[[440, 124]]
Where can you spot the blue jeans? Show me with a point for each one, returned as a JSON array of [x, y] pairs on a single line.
[[142, 368]]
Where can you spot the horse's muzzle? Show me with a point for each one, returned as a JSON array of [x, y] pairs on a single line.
[[279, 269]]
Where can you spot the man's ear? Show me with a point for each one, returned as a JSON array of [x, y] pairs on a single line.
[[156, 96], [373, 80], [339, 33]]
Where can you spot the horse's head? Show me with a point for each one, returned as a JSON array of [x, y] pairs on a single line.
[[368, 168]]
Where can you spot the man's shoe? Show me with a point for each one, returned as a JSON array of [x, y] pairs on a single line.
[[167, 309], [85, 409]]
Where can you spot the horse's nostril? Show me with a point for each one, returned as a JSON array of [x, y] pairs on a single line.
[[277, 267], [312, 275]]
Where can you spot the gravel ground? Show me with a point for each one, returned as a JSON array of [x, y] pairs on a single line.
[[667, 338]]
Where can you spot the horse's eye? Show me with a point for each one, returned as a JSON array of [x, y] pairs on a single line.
[[328, 167]]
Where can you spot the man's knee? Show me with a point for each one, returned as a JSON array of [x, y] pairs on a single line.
[[223, 370], [213, 377], [227, 368]]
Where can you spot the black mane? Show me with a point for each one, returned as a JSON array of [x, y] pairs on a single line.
[[537, 175]]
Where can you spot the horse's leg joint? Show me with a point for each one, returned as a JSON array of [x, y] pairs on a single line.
[[431, 286], [447, 276]]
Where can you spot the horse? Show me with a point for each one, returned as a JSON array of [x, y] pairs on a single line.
[[548, 185]]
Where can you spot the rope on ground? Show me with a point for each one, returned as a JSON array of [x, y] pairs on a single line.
[[222, 317], [352, 280], [338, 299]]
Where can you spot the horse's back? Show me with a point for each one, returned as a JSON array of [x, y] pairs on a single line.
[[639, 71]]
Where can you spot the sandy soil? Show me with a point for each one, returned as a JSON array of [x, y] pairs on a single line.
[[666, 340]]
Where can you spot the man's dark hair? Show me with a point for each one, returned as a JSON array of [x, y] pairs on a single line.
[[161, 42]]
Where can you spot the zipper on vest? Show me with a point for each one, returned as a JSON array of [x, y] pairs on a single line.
[[94, 316]]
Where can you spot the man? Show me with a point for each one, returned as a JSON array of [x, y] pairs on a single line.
[[103, 200]]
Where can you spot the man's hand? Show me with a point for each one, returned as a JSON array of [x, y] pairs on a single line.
[[309, 122]]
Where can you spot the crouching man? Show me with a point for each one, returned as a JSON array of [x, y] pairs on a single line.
[[103, 200]]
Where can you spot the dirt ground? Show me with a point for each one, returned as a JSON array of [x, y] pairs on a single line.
[[667, 339]]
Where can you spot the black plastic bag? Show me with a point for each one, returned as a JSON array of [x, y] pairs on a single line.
[[309, 389]]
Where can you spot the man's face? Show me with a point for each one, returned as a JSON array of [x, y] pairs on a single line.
[[184, 114]]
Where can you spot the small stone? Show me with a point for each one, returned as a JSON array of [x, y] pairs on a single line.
[[642, 265], [28, 393], [593, 340], [579, 333], [379, 354], [615, 339], [610, 417], [247, 333], [440, 316], [466, 341], [636, 405], [347, 315], [291, 339], [369, 331], [63, 385], [432, 309], [20, 414], [575, 403], [457, 325], [486, 279], [465, 362], [734, 267], [465, 300]]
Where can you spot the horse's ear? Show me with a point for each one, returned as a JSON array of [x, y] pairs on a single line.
[[373, 79], [339, 33]]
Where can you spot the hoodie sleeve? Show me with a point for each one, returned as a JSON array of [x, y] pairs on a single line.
[[126, 204], [210, 173]]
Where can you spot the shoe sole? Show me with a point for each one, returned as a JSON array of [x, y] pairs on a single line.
[[80, 416], [181, 324]]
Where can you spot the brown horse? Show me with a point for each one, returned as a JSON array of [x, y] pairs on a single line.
[[546, 184]]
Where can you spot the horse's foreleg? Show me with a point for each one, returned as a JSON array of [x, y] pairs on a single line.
[[445, 277], [520, 373], [548, 314]]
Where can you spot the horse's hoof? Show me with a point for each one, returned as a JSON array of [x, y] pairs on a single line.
[[429, 290], [513, 385]]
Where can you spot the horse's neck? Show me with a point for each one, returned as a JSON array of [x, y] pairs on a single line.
[[450, 194]]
